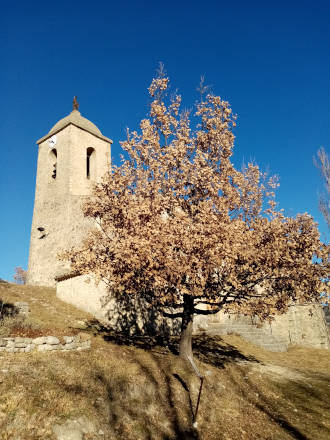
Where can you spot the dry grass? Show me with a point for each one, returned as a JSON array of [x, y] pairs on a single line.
[[141, 390], [48, 315]]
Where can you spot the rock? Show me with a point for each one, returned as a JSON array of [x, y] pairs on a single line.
[[20, 344], [49, 347], [10, 344], [19, 339], [80, 324], [73, 429], [68, 339], [99, 402], [52, 340], [3, 343], [69, 346], [40, 340], [23, 307], [67, 432]]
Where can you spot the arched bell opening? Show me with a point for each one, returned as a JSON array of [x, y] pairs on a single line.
[[53, 160], [90, 163]]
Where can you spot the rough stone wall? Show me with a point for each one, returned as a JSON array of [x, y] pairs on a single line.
[[301, 325], [81, 292], [44, 343], [122, 313], [57, 207]]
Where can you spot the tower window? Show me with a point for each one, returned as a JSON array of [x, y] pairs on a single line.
[[53, 158], [90, 163]]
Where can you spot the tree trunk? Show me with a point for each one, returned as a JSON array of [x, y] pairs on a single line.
[[185, 350]]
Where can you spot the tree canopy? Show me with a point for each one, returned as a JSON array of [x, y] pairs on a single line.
[[178, 224]]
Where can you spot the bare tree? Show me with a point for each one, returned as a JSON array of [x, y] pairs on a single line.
[[20, 275], [322, 162]]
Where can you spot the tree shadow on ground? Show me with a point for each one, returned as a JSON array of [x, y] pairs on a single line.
[[292, 391], [163, 398], [216, 352], [211, 350]]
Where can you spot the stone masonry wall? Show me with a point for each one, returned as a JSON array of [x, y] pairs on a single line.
[[44, 343], [58, 222], [124, 314], [303, 325]]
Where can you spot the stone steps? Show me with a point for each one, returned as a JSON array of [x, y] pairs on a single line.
[[258, 336]]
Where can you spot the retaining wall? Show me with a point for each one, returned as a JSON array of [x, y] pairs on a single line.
[[44, 343]]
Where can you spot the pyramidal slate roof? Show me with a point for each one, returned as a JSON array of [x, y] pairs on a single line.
[[76, 119]]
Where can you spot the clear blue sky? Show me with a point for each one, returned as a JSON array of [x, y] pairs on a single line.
[[270, 60]]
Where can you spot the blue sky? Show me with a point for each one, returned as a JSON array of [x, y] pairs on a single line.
[[270, 60]]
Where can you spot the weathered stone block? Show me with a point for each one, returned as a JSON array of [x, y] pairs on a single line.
[[20, 344], [40, 340], [22, 307], [68, 339], [52, 340], [10, 344], [19, 339], [52, 347]]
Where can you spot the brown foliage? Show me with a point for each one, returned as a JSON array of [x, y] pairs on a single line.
[[176, 218]]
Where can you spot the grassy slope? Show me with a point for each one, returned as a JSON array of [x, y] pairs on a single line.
[[140, 390]]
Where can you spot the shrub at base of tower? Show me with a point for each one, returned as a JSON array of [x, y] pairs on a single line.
[[179, 226]]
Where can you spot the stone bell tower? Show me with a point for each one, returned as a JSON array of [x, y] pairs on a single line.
[[72, 156]]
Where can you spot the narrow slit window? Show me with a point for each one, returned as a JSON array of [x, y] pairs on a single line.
[[53, 156], [90, 163]]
